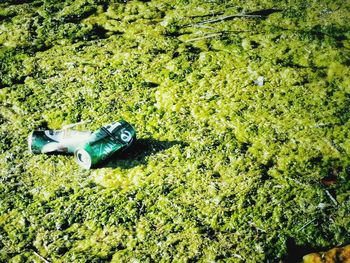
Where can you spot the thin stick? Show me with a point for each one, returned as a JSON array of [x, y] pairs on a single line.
[[41, 257], [331, 197], [204, 37], [308, 223], [206, 15], [225, 18], [203, 26]]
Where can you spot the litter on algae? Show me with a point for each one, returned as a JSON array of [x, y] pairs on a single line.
[[242, 117], [89, 148]]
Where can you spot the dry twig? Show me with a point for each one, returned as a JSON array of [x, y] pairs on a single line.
[[331, 197], [222, 18], [41, 257], [205, 37], [308, 223]]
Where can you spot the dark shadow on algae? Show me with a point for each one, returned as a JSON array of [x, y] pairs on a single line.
[[138, 152], [295, 252]]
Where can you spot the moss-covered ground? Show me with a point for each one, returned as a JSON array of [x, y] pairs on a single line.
[[242, 114]]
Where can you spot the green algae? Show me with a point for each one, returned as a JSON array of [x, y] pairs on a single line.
[[226, 169]]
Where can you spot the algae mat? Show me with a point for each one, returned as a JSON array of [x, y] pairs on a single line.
[[242, 115]]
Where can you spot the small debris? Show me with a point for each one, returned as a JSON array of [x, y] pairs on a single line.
[[259, 81], [331, 197], [41, 257], [308, 223]]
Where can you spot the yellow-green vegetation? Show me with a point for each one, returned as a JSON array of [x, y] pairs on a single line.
[[338, 254], [242, 114]]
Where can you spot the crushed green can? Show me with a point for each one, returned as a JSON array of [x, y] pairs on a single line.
[[104, 142], [89, 148]]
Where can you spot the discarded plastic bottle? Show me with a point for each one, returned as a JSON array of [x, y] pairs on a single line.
[[105, 142], [89, 148]]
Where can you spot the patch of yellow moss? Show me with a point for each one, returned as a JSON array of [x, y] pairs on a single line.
[[335, 255]]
